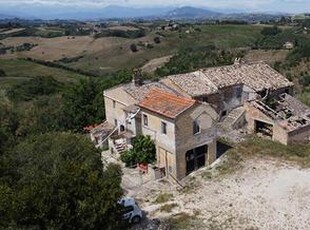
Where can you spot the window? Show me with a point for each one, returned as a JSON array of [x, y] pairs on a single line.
[[163, 127], [128, 209], [114, 104], [115, 122], [145, 120], [239, 92], [196, 127]]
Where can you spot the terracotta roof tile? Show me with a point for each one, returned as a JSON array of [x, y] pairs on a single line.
[[166, 104]]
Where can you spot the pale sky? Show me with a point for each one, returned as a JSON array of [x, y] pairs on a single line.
[[255, 5]]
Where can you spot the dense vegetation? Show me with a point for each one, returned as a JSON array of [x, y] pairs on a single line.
[[143, 151], [194, 58], [50, 177], [56, 181], [138, 33]]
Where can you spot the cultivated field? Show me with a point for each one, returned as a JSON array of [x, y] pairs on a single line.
[[12, 31], [110, 54], [51, 49]]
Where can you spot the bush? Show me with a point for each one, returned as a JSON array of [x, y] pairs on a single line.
[[157, 40], [133, 48], [271, 31], [2, 73], [143, 151]]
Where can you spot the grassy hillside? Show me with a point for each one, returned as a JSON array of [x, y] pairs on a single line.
[[17, 71], [109, 54], [119, 56]]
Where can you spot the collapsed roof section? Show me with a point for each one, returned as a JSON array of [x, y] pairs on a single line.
[[287, 110]]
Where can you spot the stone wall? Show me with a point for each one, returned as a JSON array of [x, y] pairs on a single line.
[[172, 147], [115, 101], [253, 114], [280, 134], [301, 134], [187, 140]]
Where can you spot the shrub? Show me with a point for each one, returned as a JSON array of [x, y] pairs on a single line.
[[271, 31], [2, 73], [157, 40], [143, 151], [133, 48]]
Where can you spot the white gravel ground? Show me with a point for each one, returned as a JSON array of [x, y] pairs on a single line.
[[264, 194]]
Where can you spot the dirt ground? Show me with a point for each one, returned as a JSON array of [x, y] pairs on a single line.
[[155, 63], [263, 194], [51, 49]]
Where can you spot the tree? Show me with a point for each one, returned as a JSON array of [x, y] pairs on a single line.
[[133, 47], [46, 114], [270, 31], [157, 40], [57, 181], [83, 104], [35, 87], [2, 73], [143, 151], [8, 123]]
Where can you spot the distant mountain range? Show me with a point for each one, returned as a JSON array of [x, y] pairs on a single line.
[[191, 12], [6, 16], [41, 12]]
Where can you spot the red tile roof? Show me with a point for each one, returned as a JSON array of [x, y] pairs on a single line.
[[166, 104]]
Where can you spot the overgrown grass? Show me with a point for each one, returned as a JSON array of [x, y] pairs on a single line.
[[304, 97], [185, 221], [168, 207], [254, 146], [163, 198], [190, 186], [299, 153]]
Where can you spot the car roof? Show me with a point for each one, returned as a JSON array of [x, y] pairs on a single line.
[[127, 201]]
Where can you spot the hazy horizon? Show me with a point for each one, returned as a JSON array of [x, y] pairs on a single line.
[[285, 6]]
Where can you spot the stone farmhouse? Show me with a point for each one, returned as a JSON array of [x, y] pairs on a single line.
[[185, 114]]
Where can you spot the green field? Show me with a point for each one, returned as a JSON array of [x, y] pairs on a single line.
[[20, 70]]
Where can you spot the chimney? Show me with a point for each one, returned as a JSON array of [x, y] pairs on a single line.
[[137, 77]]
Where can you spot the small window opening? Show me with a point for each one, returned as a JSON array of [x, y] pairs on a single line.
[[163, 127]]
